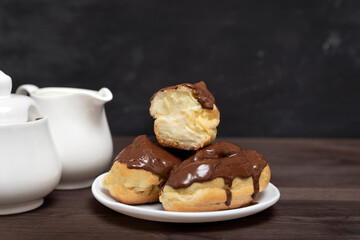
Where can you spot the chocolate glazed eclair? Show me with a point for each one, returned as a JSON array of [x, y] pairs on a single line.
[[186, 116], [220, 176], [139, 171]]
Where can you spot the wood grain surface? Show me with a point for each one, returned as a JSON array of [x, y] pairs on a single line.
[[320, 199]]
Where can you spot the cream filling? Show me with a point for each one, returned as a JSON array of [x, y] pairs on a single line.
[[180, 117]]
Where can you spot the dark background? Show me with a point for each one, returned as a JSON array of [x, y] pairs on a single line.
[[276, 68]]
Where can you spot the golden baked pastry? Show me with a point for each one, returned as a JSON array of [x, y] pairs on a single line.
[[220, 176], [139, 171], [185, 115]]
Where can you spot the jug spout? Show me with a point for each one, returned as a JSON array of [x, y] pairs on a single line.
[[104, 95]]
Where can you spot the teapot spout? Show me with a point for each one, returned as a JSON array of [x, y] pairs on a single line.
[[104, 95]]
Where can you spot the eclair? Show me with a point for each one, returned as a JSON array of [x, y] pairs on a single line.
[[186, 116], [220, 176], [139, 171]]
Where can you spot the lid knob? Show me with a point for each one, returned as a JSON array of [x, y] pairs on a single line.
[[5, 84], [15, 108]]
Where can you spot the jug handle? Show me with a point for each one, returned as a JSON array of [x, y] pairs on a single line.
[[26, 89]]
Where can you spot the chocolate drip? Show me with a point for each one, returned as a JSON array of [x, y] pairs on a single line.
[[143, 154], [202, 94], [222, 159], [228, 197]]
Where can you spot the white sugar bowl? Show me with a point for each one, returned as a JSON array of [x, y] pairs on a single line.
[[29, 165]]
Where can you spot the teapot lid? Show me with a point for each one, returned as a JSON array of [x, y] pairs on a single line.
[[15, 108]]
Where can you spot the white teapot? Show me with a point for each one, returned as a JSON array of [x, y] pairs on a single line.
[[80, 130], [29, 165]]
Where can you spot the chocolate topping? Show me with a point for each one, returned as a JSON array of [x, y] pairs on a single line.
[[222, 159], [202, 94], [143, 154]]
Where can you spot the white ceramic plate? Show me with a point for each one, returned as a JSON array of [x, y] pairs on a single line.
[[155, 212]]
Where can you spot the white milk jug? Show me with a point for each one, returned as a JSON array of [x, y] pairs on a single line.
[[79, 128]]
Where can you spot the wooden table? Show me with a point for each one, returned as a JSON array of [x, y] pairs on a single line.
[[319, 181]]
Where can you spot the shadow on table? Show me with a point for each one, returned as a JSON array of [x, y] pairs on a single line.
[[135, 224]]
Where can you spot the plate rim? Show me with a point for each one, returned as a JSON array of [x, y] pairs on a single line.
[[163, 216]]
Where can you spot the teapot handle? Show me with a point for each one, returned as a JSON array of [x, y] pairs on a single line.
[[26, 89], [33, 112]]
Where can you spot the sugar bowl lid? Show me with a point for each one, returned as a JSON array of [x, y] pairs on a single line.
[[15, 108]]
